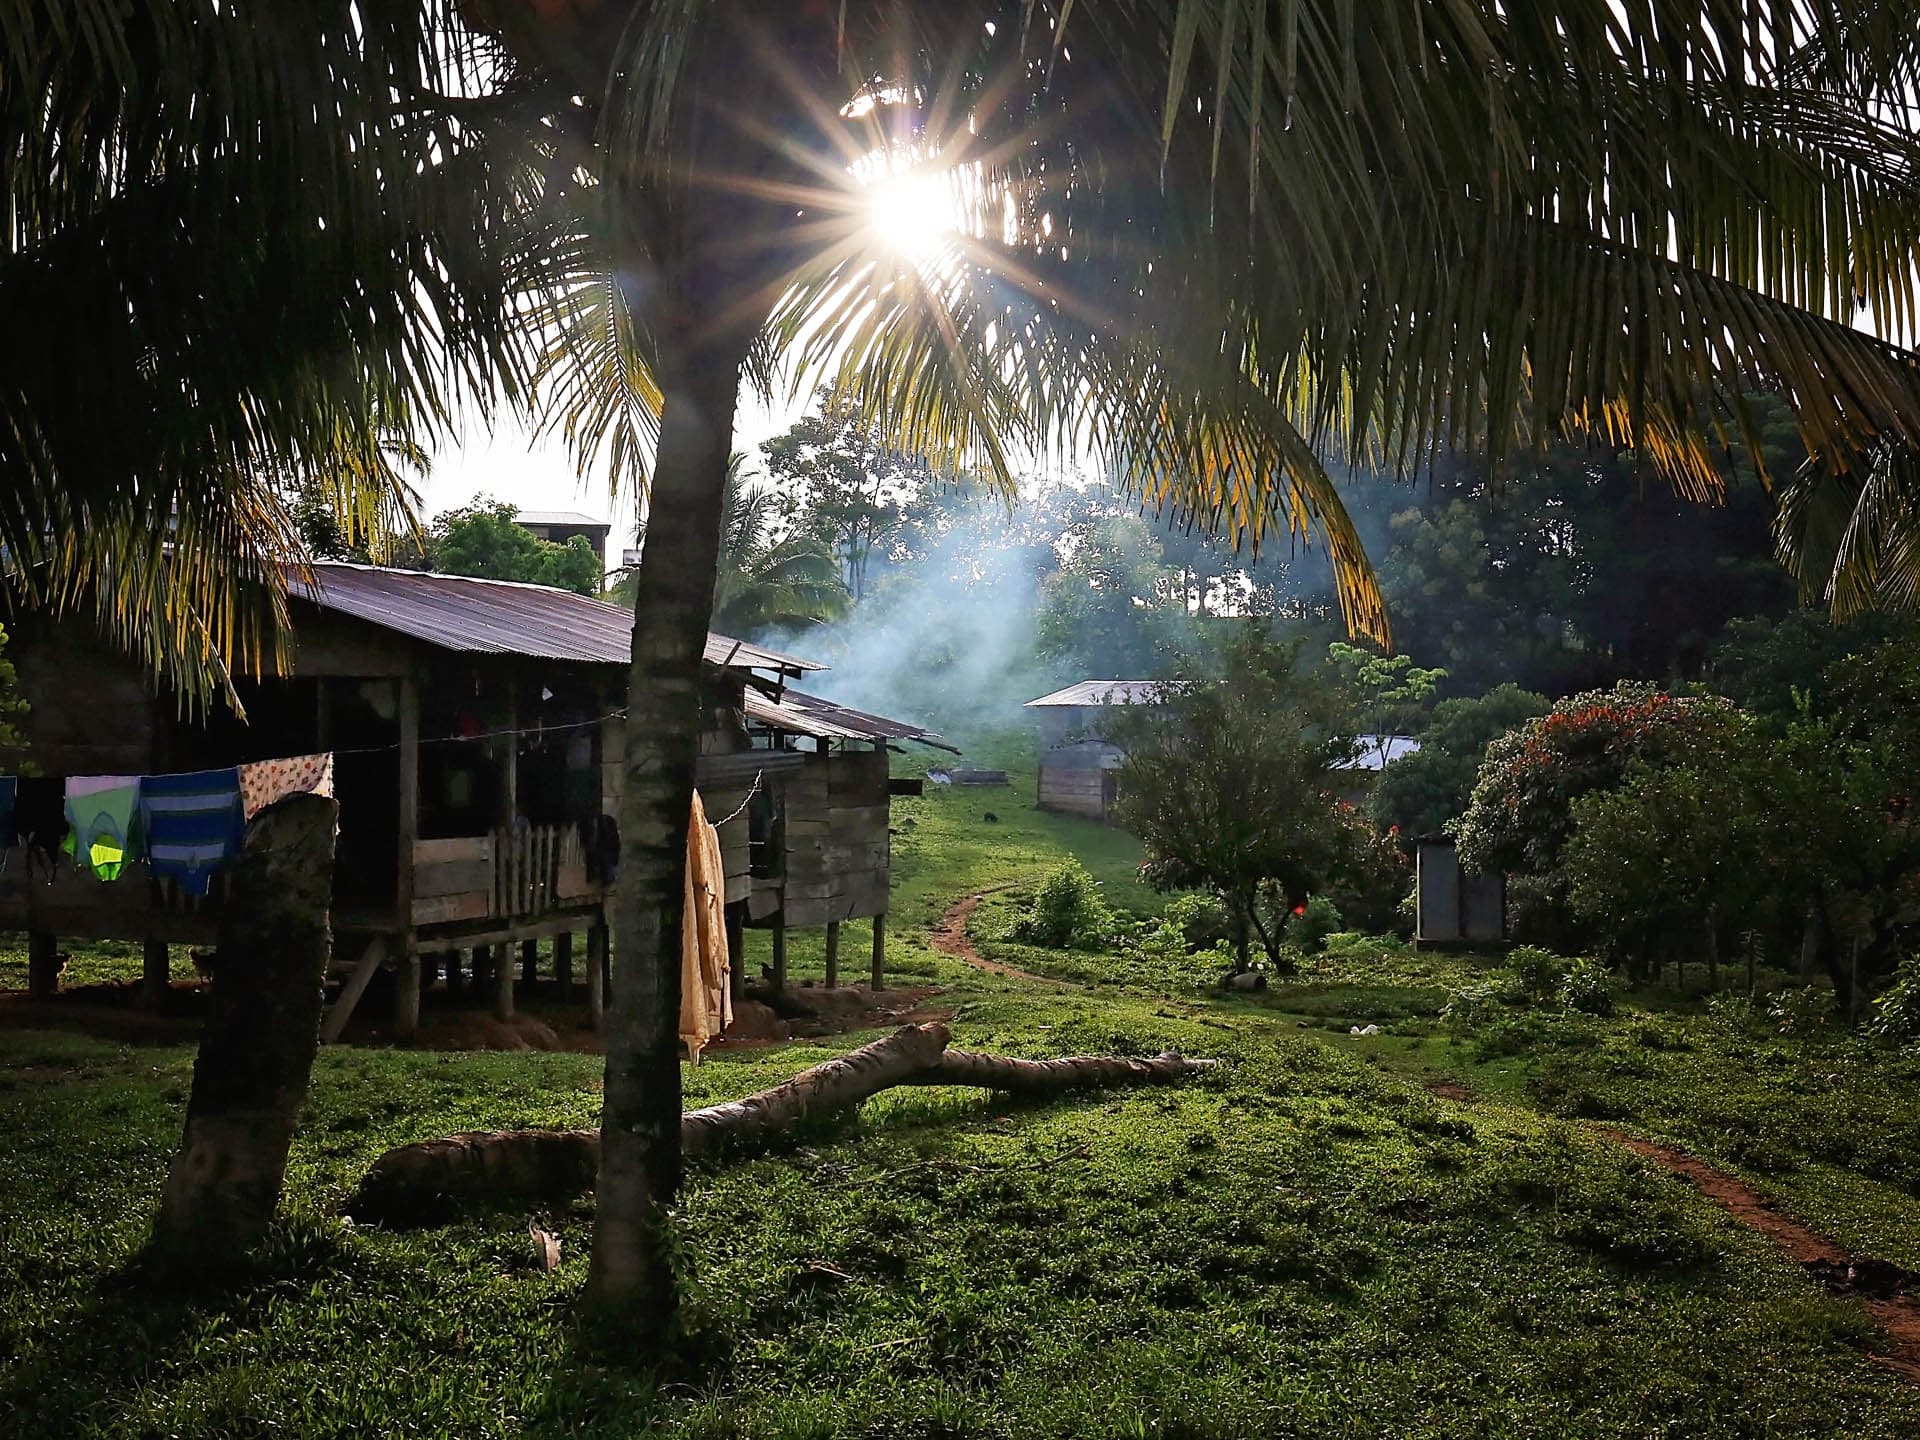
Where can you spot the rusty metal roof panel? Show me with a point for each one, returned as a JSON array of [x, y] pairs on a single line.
[[502, 617], [798, 722], [876, 727], [1103, 692]]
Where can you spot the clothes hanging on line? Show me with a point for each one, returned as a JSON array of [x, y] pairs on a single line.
[[103, 816], [192, 824], [266, 781], [706, 996], [40, 815]]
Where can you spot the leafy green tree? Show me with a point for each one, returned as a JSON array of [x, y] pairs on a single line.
[[1850, 781], [1424, 791], [1229, 784], [1777, 667], [1390, 695], [1520, 815], [484, 540], [1574, 573], [1114, 609], [1663, 865], [839, 485]]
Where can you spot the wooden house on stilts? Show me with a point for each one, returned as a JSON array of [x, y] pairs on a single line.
[[478, 741]]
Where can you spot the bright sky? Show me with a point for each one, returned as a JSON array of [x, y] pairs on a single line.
[[509, 464]]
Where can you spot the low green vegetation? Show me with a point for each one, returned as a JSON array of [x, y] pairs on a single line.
[[1306, 1242]]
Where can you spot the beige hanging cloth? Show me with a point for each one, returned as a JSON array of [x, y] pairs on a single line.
[[706, 999]]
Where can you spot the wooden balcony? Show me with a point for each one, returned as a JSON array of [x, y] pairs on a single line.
[[515, 873]]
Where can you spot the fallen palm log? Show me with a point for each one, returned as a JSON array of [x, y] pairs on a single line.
[[432, 1179]]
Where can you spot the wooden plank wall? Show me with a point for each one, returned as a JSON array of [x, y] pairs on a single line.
[[838, 858], [1073, 791]]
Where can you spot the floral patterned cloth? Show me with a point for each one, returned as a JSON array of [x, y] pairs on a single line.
[[263, 783]]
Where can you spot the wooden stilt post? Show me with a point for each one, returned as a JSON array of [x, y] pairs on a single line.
[[450, 966], [406, 977], [406, 996], [502, 982], [156, 974], [529, 961], [736, 918], [879, 952], [43, 965], [563, 964], [779, 956], [597, 972], [833, 954]]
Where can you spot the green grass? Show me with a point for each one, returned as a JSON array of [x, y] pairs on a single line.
[[1305, 1242]]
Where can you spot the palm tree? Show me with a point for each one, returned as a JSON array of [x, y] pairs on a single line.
[[1210, 244], [767, 582], [1206, 243], [223, 302]]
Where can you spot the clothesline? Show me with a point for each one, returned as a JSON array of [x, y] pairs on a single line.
[[395, 745]]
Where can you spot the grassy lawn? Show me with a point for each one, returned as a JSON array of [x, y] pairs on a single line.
[[1306, 1242]]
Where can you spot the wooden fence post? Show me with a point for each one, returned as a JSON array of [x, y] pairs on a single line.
[[879, 951], [156, 974], [43, 965], [502, 982], [833, 954], [597, 972], [779, 955], [406, 995]]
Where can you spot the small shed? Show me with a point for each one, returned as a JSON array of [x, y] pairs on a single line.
[[1452, 906], [1079, 768], [478, 740]]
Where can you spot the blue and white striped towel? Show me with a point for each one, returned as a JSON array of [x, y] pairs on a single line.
[[192, 823]]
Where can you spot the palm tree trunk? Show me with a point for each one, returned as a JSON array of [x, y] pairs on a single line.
[[257, 1050], [640, 1158]]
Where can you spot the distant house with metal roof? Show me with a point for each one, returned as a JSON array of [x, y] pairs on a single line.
[[1079, 767], [478, 737], [559, 526]]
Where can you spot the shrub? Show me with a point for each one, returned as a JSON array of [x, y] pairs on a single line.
[[1307, 931], [1801, 1011], [1587, 987], [1470, 1007], [1896, 1011], [1536, 972], [1195, 922], [1731, 1014], [1067, 912]]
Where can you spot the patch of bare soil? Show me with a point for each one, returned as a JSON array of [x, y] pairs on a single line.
[[950, 937], [1449, 1090], [115, 1012], [1890, 1294]]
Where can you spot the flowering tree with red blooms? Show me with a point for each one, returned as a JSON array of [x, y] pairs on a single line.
[[1521, 813]]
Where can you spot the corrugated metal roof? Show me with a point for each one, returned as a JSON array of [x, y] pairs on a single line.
[[559, 517], [878, 727], [798, 722], [1103, 692], [802, 714], [503, 617]]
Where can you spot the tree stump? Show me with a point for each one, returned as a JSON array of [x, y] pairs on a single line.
[[262, 1031]]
